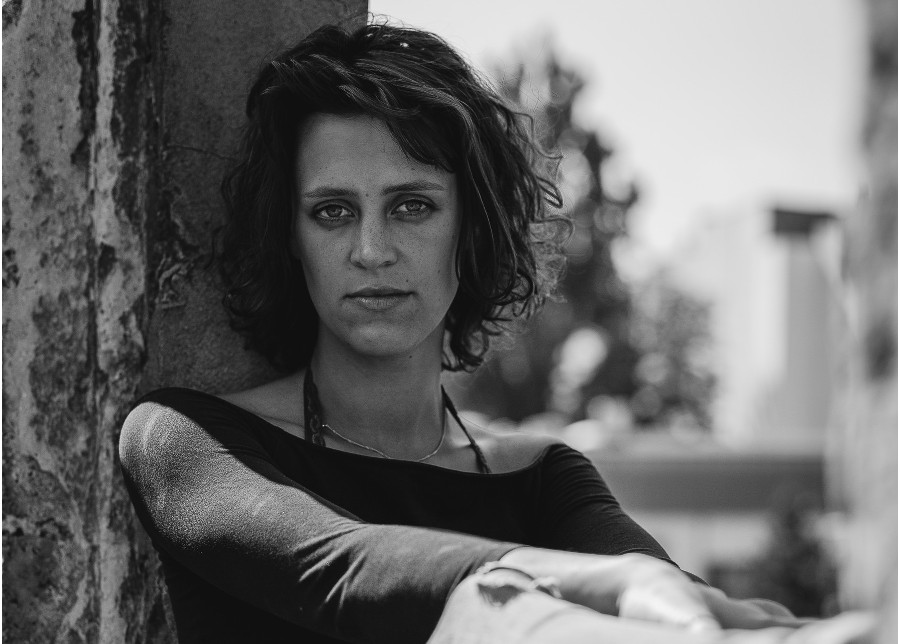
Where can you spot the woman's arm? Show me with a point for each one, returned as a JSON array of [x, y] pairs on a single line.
[[503, 611], [641, 587], [212, 499], [579, 513], [500, 610]]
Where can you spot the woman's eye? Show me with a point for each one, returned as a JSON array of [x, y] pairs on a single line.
[[413, 208], [332, 213]]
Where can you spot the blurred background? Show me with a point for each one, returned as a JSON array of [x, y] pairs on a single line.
[[724, 348], [709, 155]]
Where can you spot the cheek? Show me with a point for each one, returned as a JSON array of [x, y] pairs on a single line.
[[314, 260], [447, 273], [439, 254], [298, 234], [452, 255], [311, 250]]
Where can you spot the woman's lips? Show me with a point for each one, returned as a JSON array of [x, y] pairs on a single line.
[[374, 300]]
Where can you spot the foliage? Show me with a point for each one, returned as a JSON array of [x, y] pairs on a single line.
[[591, 322], [675, 380], [795, 569]]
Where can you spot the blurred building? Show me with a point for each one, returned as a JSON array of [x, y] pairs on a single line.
[[710, 506], [718, 502], [777, 321]]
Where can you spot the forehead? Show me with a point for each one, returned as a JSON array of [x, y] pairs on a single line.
[[357, 151]]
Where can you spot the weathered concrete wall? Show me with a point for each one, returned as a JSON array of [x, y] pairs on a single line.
[[212, 48], [863, 455], [76, 111], [115, 116]]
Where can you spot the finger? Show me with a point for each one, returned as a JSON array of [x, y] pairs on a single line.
[[847, 628], [758, 636], [733, 613], [669, 600], [703, 624], [771, 608]]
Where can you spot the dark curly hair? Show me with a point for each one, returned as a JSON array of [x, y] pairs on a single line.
[[441, 113]]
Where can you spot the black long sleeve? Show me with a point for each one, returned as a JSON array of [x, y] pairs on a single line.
[[212, 500], [580, 512], [264, 536]]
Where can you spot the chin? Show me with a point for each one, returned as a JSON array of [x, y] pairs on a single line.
[[390, 342], [383, 347]]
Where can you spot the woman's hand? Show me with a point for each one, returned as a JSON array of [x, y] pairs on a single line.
[[749, 613], [655, 591], [637, 586], [502, 606]]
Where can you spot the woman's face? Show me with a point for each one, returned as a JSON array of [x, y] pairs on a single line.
[[376, 233]]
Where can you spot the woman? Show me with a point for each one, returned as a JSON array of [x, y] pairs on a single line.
[[385, 220]]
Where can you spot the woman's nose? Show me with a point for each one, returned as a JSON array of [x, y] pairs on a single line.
[[372, 244]]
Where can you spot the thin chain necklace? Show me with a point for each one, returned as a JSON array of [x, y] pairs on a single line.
[[313, 393], [440, 444]]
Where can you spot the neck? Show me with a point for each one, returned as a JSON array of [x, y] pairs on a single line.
[[392, 404]]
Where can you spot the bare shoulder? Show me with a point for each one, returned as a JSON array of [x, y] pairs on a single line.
[[509, 450], [279, 402], [274, 399], [153, 433]]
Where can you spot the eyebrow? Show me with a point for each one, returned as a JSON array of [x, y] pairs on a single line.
[[408, 186]]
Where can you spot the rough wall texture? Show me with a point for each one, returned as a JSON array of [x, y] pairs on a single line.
[[212, 50], [75, 171], [864, 454], [116, 119]]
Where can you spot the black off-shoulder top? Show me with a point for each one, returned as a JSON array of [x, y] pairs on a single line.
[[266, 537]]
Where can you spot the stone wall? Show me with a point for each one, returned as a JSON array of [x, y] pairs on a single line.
[[118, 118]]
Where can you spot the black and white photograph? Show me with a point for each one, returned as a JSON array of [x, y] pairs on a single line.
[[470, 322]]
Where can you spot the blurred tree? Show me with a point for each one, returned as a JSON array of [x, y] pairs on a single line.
[[675, 380], [515, 382], [581, 348], [795, 569]]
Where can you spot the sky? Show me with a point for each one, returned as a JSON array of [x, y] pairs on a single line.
[[711, 106]]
